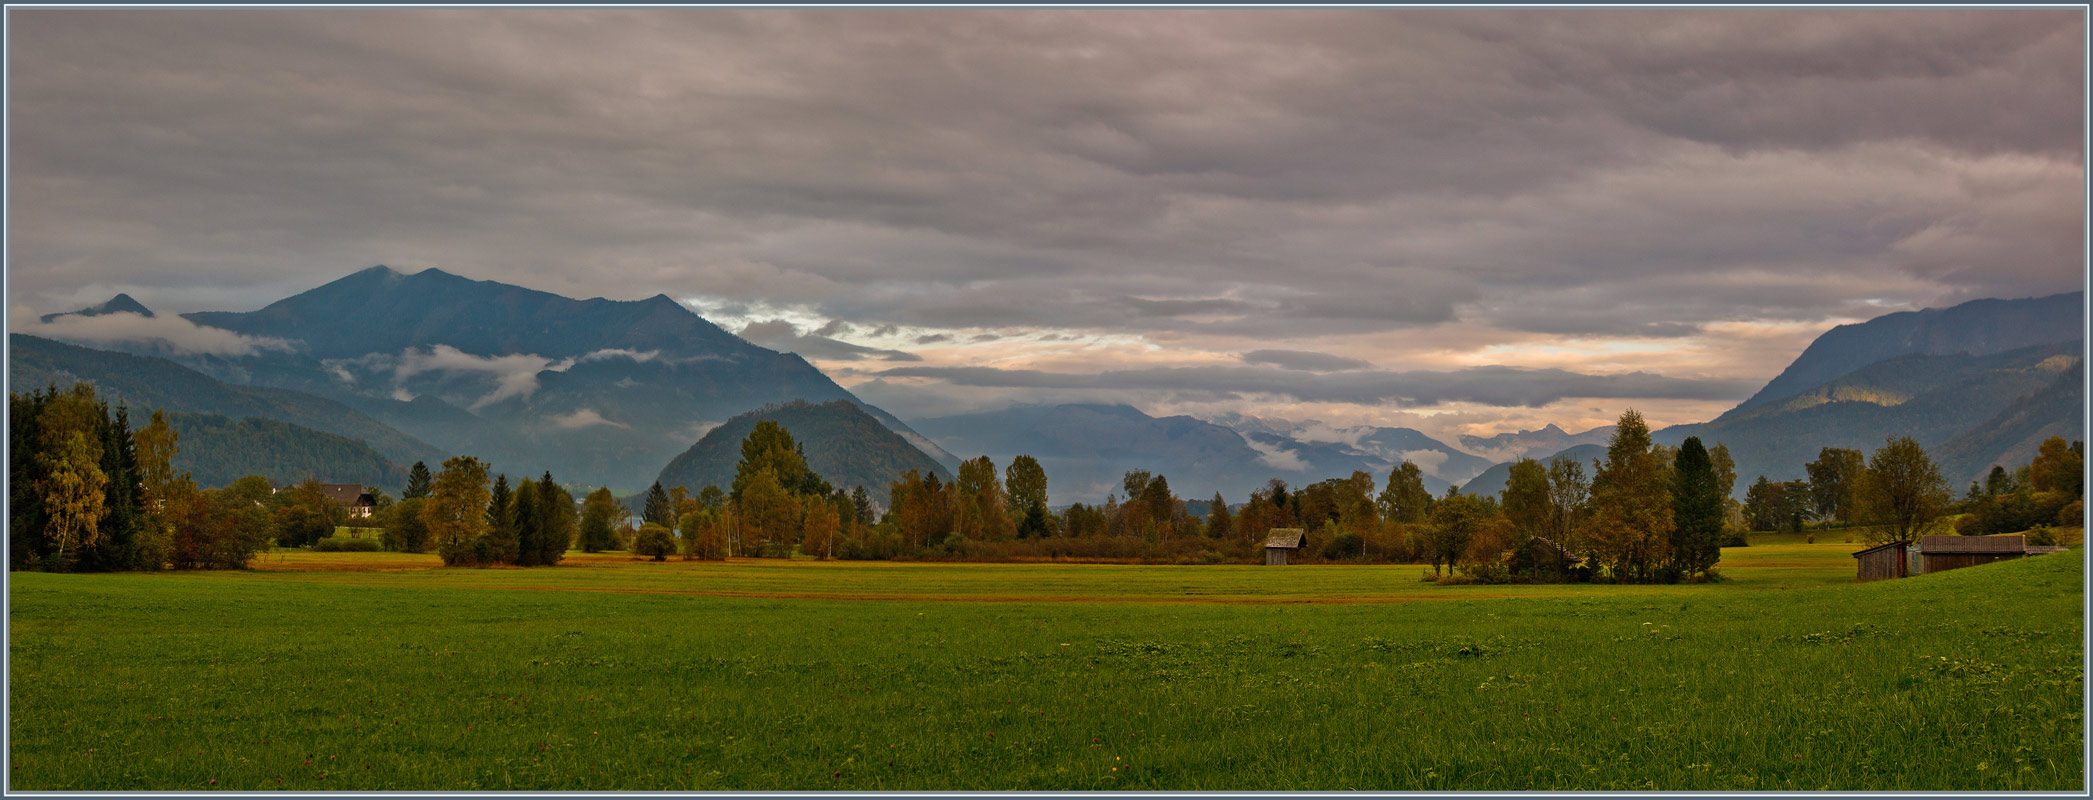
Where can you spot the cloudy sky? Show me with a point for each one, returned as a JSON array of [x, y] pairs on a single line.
[[1464, 221]]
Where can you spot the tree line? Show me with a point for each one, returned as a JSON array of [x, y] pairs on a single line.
[[87, 493], [1897, 493]]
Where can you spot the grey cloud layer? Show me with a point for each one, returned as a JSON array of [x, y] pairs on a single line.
[[1495, 386], [1218, 172]]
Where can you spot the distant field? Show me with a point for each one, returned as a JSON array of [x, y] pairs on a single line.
[[609, 673]]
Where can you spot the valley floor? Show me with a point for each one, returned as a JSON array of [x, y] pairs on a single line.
[[371, 671]]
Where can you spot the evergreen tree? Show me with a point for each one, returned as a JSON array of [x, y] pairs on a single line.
[[1218, 524], [524, 518], [556, 518], [861, 500], [498, 545], [658, 509], [1697, 509], [417, 482], [769, 446]]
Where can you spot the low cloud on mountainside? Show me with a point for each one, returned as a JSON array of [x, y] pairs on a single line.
[[171, 334]]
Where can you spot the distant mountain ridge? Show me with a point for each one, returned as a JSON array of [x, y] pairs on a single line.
[[598, 391], [1528, 444], [1087, 448]]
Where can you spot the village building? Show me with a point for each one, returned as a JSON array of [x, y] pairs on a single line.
[[1281, 544], [1932, 554], [352, 497]]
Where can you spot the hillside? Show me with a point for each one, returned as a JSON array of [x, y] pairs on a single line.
[[217, 450], [843, 444], [1978, 327], [147, 383], [2011, 436], [1491, 482], [122, 303]]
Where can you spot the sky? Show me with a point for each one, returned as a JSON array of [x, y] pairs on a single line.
[[1464, 221]]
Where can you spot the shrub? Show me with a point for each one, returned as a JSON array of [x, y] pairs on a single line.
[[653, 540], [1344, 547], [2042, 536]]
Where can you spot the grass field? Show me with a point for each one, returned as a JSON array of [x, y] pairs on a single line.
[[372, 671]]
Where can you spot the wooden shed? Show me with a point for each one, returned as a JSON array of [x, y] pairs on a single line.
[[1884, 561], [1942, 553], [1281, 544]]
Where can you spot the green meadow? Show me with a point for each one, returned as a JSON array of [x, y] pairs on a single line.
[[363, 671]]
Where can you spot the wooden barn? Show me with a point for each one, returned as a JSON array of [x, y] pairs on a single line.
[[1884, 561], [1942, 553], [1281, 544]]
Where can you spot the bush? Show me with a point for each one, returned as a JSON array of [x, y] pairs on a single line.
[[1344, 547], [2042, 536], [654, 540], [336, 545]]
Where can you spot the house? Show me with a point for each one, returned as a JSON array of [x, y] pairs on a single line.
[[1281, 544], [1940, 553], [351, 496]]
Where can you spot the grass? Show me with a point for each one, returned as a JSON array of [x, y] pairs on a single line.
[[611, 673]]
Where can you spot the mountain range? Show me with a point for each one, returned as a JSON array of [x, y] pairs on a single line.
[[424, 365], [605, 391]]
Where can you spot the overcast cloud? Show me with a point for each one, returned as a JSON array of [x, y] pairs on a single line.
[[1490, 207]]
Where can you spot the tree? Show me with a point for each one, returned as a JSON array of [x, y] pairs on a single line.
[[654, 540], [2058, 468], [524, 512], [1725, 468], [1630, 521], [980, 515], [818, 524], [417, 482], [769, 516], [1697, 509], [861, 503], [1901, 491], [72, 496], [1527, 501], [1766, 505], [1455, 522], [1218, 524], [1025, 483], [769, 446], [1405, 500], [456, 511], [498, 542], [599, 511], [1568, 492], [556, 520], [405, 532], [701, 534], [1833, 478], [299, 525], [658, 510]]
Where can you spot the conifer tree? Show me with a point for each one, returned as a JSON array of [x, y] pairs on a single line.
[[556, 518], [1697, 510], [417, 482], [498, 543], [658, 509]]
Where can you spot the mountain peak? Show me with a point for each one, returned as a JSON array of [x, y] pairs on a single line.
[[120, 304]]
